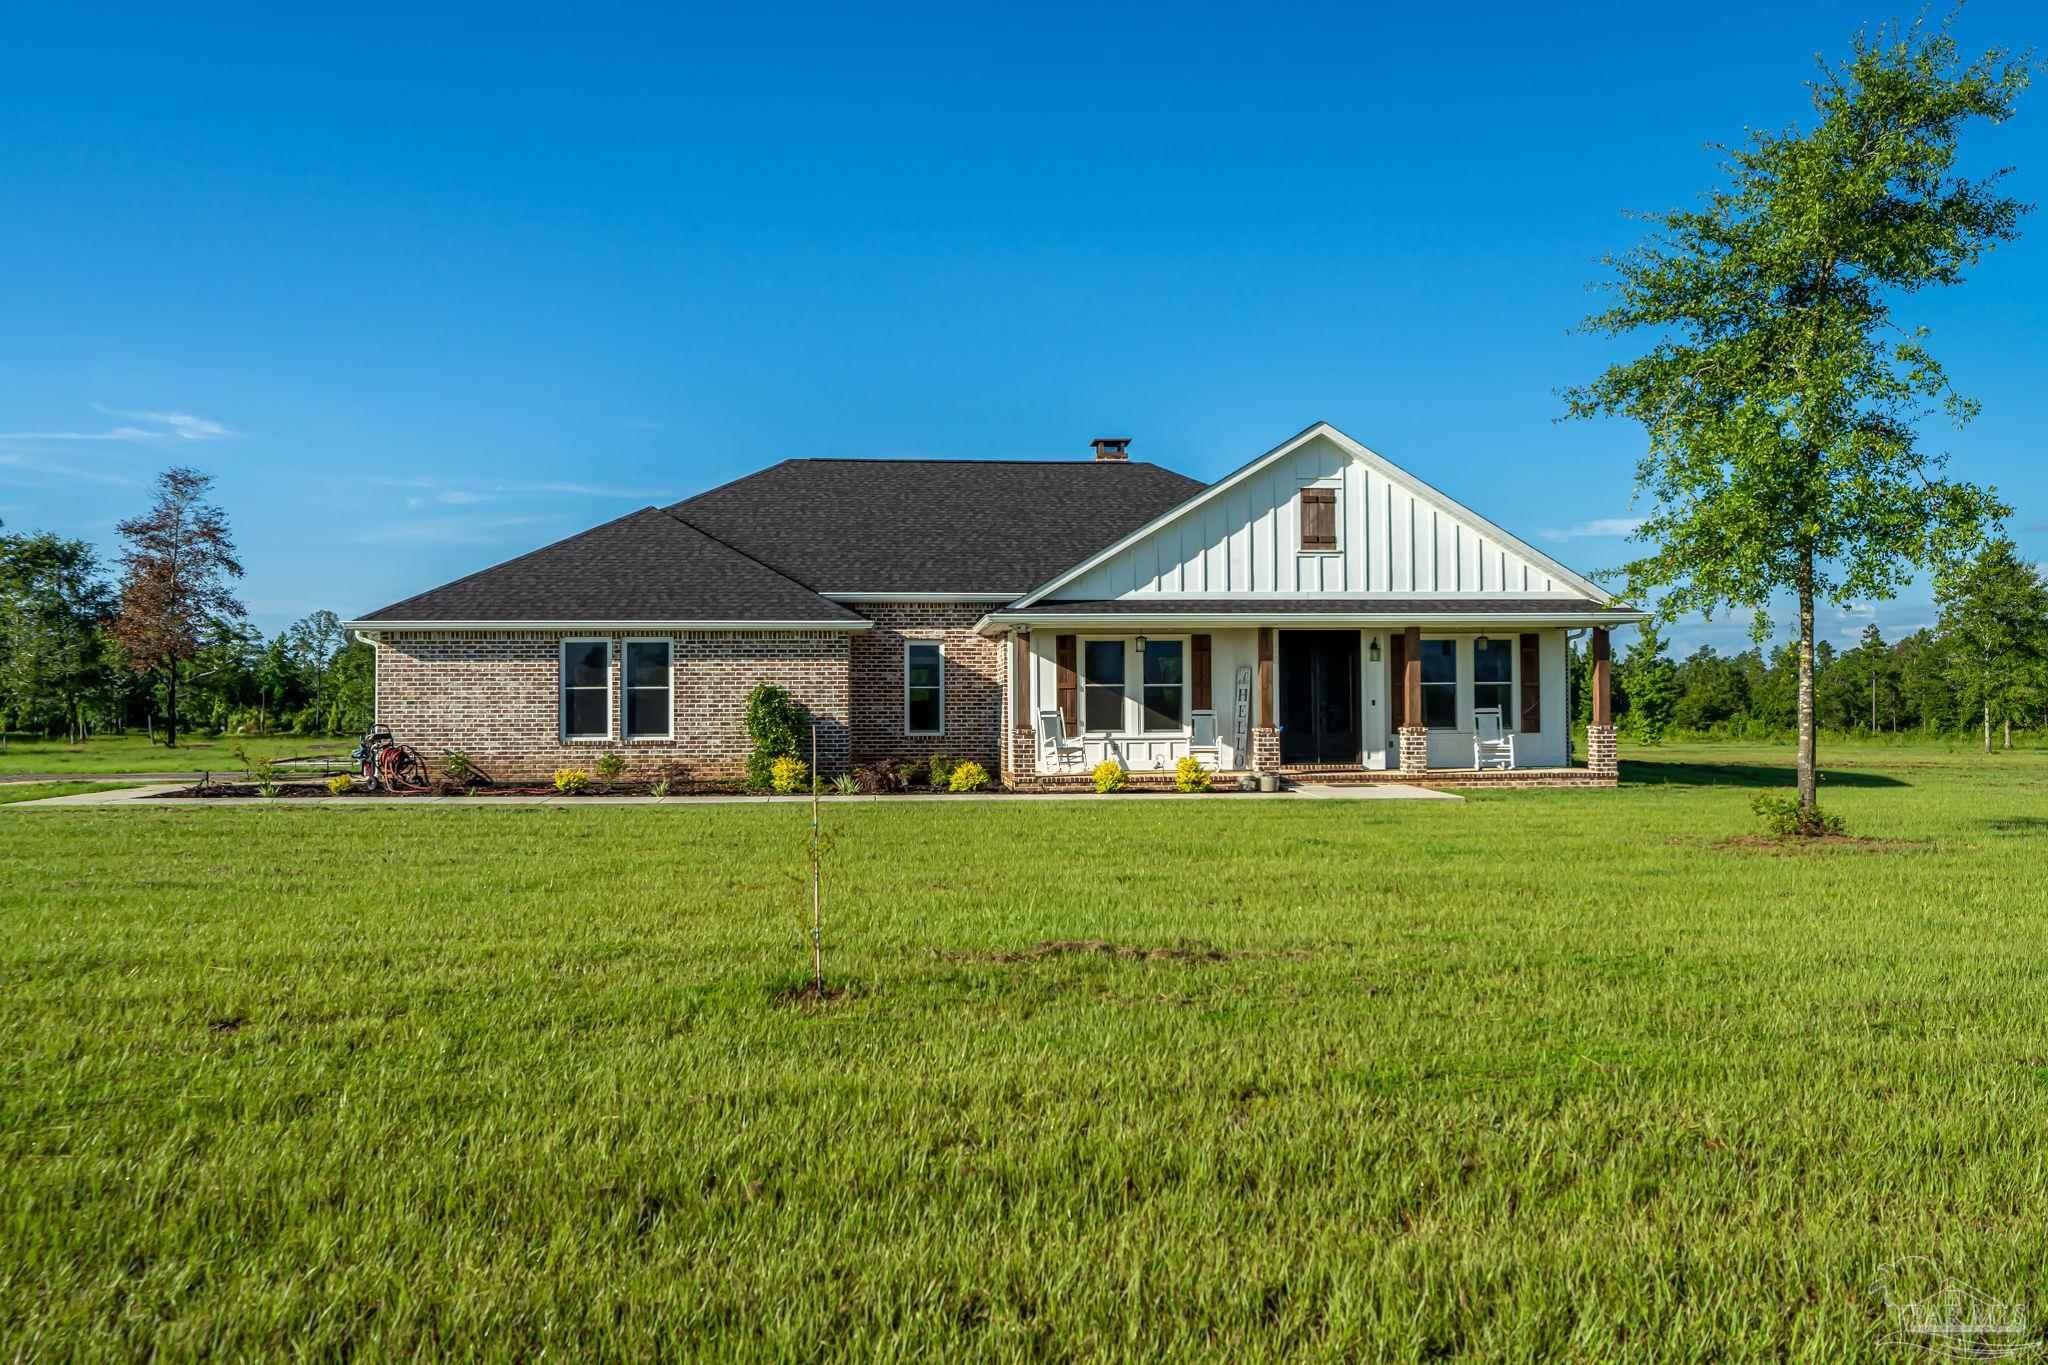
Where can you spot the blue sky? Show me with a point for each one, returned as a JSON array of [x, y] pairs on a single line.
[[424, 293]]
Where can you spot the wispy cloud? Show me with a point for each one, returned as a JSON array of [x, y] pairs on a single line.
[[154, 426], [463, 495], [1611, 527], [183, 425], [49, 471], [443, 531]]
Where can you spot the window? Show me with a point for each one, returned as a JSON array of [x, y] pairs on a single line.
[[1318, 519], [1164, 684], [647, 689], [1493, 678], [586, 689], [1102, 671], [1440, 684], [924, 688]]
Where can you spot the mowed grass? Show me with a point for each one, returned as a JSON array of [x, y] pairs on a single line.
[[1541, 1075], [133, 753]]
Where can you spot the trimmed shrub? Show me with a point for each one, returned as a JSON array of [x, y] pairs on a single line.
[[846, 785], [787, 775], [967, 777], [569, 781], [1190, 776], [610, 767], [1109, 776], [777, 726], [1784, 820], [341, 784], [941, 769]]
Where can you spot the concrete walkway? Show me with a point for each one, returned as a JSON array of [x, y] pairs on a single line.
[[142, 798]]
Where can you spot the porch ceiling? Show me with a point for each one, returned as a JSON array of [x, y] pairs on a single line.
[[1481, 612]]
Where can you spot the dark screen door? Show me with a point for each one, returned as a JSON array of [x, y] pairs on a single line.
[[1319, 696]]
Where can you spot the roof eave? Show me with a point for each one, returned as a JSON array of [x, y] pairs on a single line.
[[382, 625], [997, 621]]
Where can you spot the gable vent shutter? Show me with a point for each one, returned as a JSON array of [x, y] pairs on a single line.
[[1532, 685], [1201, 666], [1070, 701], [1318, 518]]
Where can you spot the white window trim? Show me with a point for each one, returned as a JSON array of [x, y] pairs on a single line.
[[562, 689], [1133, 726], [1186, 728], [939, 733], [1335, 483], [1511, 712], [626, 689], [1460, 685]]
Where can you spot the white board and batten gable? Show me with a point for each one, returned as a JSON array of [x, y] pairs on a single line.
[[1395, 537]]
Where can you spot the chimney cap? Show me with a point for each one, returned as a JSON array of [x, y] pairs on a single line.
[[1111, 447]]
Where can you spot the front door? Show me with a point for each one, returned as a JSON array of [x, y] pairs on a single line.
[[1319, 696]]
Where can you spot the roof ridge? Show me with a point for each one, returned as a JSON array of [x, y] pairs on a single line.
[[680, 520], [515, 559]]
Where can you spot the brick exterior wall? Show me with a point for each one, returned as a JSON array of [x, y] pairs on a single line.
[[1414, 748], [974, 670], [496, 697], [1600, 751], [1265, 749]]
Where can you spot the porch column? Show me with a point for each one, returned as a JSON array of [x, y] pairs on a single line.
[[1600, 751], [1413, 734], [1021, 763], [1266, 730]]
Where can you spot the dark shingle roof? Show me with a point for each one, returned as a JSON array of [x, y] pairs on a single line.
[[965, 526], [1337, 606], [646, 566]]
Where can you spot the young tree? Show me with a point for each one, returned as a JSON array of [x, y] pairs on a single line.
[[1994, 613], [1779, 397], [1653, 687], [175, 581], [52, 605]]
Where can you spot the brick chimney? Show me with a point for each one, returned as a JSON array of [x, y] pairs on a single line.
[[1111, 447]]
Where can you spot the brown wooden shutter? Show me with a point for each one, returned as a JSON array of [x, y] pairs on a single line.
[[1532, 684], [1201, 667], [1397, 673], [1070, 700], [1318, 518]]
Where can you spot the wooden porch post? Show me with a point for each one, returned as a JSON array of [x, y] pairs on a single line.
[[1603, 713], [1411, 676], [1020, 686], [1266, 721]]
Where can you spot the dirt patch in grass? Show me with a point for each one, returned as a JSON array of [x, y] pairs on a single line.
[[808, 996], [1839, 843], [1095, 947]]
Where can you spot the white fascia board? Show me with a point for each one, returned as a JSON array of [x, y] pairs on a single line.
[[1443, 502], [374, 626], [1124, 621]]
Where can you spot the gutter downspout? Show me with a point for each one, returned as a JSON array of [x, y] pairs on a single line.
[[1569, 637]]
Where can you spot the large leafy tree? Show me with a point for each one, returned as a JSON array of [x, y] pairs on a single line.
[[1994, 613], [1779, 395], [53, 604], [177, 570]]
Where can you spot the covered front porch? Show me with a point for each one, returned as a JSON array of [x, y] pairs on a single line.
[[1444, 698]]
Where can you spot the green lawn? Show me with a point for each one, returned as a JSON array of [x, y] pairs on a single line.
[[1543, 1075], [133, 753]]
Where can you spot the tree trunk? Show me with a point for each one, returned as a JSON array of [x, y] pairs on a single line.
[[1809, 783], [1987, 725], [171, 712], [2008, 733]]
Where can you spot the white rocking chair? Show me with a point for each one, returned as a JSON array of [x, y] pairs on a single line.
[[1202, 739], [1492, 746], [1054, 744]]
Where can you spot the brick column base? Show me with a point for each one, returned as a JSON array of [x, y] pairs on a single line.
[[1020, 762], [1265, 750], [1414, 748], [1600, 751]]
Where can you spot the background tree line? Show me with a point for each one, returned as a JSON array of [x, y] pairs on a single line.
[[167, 642], [1982, 669]]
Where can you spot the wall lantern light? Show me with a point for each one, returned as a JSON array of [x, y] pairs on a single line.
[[1480, 642], [1141, 644], [1372, 651]]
